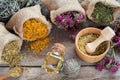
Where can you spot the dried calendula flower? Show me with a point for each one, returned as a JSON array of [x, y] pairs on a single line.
[[34, 29], [38, 45], [11, 54]]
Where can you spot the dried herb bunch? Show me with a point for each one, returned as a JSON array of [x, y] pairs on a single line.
[[7, 9], [69, 20], [27, 3], [11, 54], [103, 14]]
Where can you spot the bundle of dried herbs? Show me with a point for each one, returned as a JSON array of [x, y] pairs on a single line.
[[7, 9], [27, 3], [69, 20], [102, 13], [89, 38], [22, 3], [32, 2], [11, 54]]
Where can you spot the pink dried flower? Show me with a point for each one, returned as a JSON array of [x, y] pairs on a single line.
[[114, 68], [69, 20], [72, 36], [109, 62], [101, 65]]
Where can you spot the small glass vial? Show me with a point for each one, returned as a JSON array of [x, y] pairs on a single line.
[[53, 61]]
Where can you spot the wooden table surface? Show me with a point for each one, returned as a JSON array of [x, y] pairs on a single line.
[[33, 63], [35, 72]]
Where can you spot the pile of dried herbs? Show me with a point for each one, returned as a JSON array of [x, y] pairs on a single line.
[[22, 3], [32, 2], [11, 54], [16, 71], [34, 29], [83, 40], [103, 14], [38, 45], [7, 9], [27, 3]]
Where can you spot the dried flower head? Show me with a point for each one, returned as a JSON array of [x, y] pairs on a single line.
[[69, 20], [109, 62]]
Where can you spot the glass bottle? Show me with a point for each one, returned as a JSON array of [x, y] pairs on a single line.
[[53, 61]]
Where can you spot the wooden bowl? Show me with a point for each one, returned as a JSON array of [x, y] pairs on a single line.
[[86, 57]]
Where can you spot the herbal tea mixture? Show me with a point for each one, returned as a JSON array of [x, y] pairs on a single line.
[[103, 13], [16, 71], [69, 20], [89, 38], [11, 54], [34, 29]]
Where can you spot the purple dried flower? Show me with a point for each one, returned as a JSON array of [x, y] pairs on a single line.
[[114, 68], [69, 20], [72, 36], [116, 40], [100, 66], [109, 62]]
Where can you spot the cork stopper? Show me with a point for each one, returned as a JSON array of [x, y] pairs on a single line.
[[59, 46]]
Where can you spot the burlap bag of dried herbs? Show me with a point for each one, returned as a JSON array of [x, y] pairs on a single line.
[[103, 12], [10, 46], [66, 10], [29, 23]]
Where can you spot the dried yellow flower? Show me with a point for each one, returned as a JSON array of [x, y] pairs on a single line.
[[38, 45], [34, 29]]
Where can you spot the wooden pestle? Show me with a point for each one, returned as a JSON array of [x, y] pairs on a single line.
[[106, 35]]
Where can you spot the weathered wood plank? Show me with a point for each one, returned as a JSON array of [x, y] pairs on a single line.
[[86, 73]]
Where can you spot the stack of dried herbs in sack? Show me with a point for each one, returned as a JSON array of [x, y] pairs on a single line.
[[10, 47], [33, 28], [66, 14], [103, 12]]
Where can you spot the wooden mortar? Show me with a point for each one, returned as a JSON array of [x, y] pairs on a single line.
[[86, 57]]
